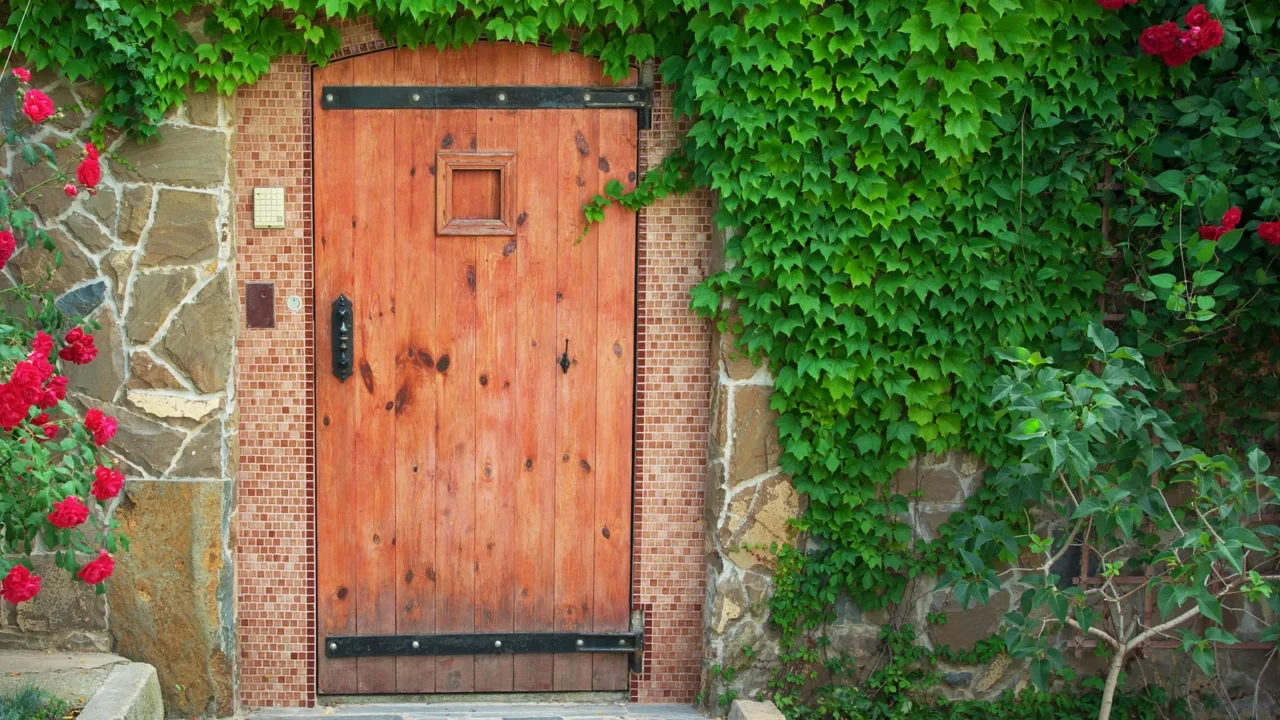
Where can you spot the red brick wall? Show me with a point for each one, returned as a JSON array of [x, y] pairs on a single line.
[[275, 546]]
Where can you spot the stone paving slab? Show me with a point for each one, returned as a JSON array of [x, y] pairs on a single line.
[[71, 676], [486, 711]]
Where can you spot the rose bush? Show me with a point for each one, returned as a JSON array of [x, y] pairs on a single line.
[[57, 484]]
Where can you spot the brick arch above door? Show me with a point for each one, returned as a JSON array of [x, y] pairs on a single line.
[[275, 547]]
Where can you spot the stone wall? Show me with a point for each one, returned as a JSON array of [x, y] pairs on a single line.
[[149, 258], [750, 502]]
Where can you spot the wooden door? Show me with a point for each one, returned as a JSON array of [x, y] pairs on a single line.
[[465, 482]]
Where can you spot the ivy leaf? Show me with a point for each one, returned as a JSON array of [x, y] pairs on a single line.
[[968, 28], [1103, 338], [943, 13], [1218, 635], [1209, 605], [1171, 181], [1163, 280]]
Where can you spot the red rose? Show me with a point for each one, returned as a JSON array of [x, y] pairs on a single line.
[[19, 585], [1270, 232], [23, 74], [37, 106], [1208, 36], [1210, 232], [1231, 218], [108, 483], [68, 513], [102, 428], [79, 348], [89, 172], [69, 189], [98, 569], [7, 247], [1159, 39], [1197, 16], [1178, 56], [41, 346]]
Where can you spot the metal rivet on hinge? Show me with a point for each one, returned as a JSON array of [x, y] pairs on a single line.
[[497, 643], [415, 644], [579, 642], [622, 641], [586, 98], [631, 97], [333, 646], [502, 97], [416, 97], [328, 97]]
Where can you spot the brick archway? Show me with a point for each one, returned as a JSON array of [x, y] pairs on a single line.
[[275, 502]]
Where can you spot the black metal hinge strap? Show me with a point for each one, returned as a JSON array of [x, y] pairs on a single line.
[[518, 97], [349, 646]]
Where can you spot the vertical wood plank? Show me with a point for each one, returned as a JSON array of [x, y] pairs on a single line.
[[615, 369], [456, 278], [335, 473], [536, 223], [496, 369], [415, 399], [575, 389], [374, 305]]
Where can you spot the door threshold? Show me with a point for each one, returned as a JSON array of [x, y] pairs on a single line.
[[618, 697]]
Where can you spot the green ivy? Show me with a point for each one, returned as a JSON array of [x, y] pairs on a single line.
[[911, 184]]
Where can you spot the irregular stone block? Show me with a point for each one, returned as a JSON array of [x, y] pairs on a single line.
[[202, 457], [87, 231], [117, 266], [737, 365], [139, 440], [202, 108], [937, 484], [83, 300], [147, 374], [164, 597], [64, 603], [754, 710], [965, 627], [100, 379], [48, 200], [754, 432], [32, 264], [201, 337], [69, 116], [135, 212], [104, 205], [154, 296], [173, 407], [757, 518], [184, 230], [190, 157]]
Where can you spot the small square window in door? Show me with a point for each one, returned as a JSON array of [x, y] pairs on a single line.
[[475, 193]]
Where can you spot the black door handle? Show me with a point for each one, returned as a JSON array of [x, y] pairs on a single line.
[[564, 359], [341, 333]]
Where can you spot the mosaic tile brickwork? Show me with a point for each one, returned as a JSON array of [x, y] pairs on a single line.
[[275, 549]]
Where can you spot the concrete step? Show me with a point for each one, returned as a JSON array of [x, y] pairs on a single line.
[[107, 686]]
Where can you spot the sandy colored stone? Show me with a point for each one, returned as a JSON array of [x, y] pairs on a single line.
[[737, 365], [719, 421], [141, 441], [759, 517], [201, 338], [118, 265], [33, 263], [64, 602], [87, 231], [202, 108], [754, 432], [727, 607], [168, 594], [135, 212], [184, 156], [147, 374], [152, 299], [100, 379], [166, 406], [184, 229]]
